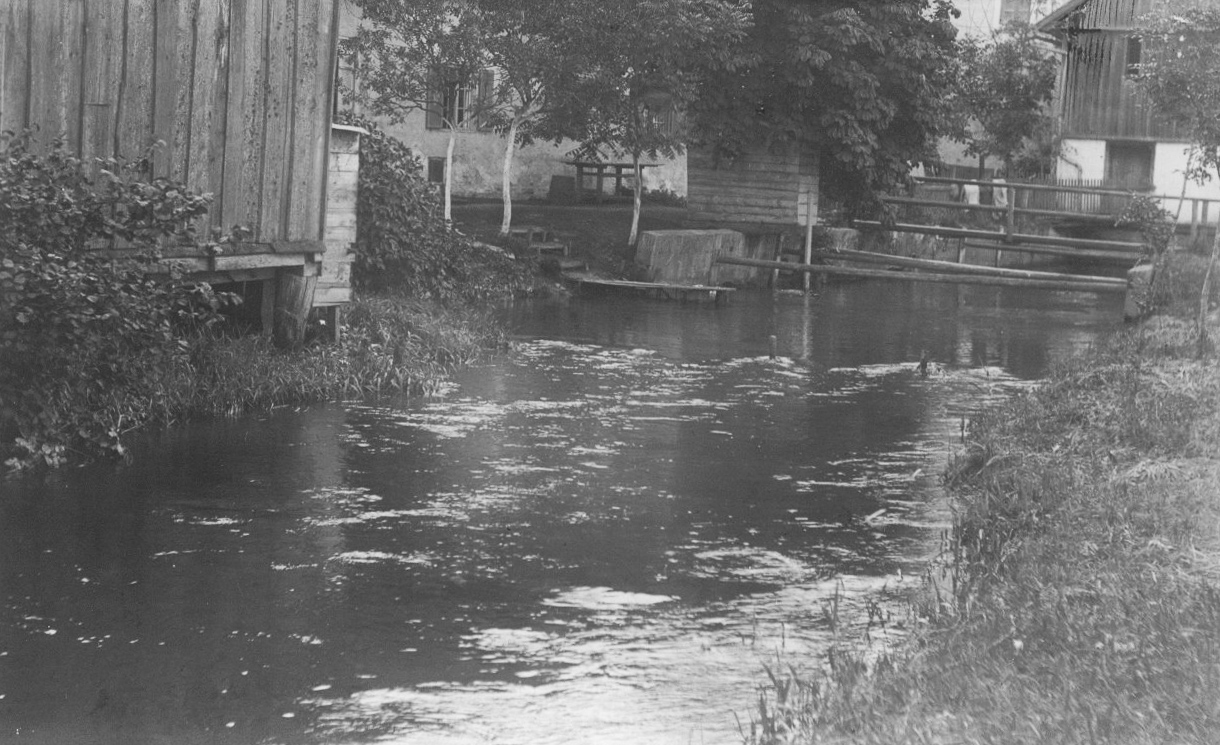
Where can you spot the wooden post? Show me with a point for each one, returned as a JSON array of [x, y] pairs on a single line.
[[1194, 222], [808, 244], [1203, 220], [266, 311], [1010, 217], [293, 299]]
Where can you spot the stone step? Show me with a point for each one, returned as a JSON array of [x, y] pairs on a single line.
[[550, 248]]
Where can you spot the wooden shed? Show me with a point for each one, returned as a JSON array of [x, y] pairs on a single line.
[[1099, 97], [759, 187], [239, 96]]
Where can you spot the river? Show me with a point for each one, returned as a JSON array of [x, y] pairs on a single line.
[[600, 537]]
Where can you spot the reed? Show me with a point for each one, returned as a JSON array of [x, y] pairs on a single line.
[[1077, 599], [391, 345]]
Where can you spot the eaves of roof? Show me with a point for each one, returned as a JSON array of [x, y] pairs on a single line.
[[1058, 15]]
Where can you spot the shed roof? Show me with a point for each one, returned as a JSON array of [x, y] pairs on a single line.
[[1055, 19]]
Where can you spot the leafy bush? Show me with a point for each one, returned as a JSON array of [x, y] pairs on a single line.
[[87, 338], [404, 243]]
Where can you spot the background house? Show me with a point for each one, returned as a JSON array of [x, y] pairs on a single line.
[[1111, 136], [479, 154], [979, 19]]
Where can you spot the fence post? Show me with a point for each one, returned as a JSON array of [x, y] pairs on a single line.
[[1010, 217]]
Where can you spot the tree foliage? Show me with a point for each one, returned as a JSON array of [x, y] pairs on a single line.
[[1004, 92], [87, 338], [421, 55], [641, 61], [404, 244], [1180, 71], [862, 84]]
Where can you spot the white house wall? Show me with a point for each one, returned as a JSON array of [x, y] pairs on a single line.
[[1086, 159], [1168, 169], [1082, 159], [479, 157]]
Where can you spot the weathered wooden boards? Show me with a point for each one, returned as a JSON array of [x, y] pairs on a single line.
[[238, 91], [334, 284], [686, 256], [1066, 282], [232, 97], [664, 289], [756, 187]]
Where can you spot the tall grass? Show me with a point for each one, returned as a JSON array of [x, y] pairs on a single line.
[[1078, 597], [390, 345]]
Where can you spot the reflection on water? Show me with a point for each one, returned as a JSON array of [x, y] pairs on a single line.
[[598, 539]]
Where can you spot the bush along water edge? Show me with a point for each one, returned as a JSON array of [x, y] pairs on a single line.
[[94, 344], [1076, 598]]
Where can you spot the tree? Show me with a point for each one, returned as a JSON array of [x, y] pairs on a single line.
[[639, 63], [524, 45], [862, 84], [422, 55], [1180, 71], [1004, 93]]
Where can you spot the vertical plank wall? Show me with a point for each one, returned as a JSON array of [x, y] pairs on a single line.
[[238, 91], [1100, 99], [756, 187]]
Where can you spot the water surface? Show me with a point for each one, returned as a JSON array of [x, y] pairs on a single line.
[[599, 538]]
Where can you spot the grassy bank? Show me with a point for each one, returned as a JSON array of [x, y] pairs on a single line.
[[1079, 596], [390, 345]]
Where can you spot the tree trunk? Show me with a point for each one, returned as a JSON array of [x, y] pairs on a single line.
[[507, 186], [639, 198], [1205, 295], [449, 175]]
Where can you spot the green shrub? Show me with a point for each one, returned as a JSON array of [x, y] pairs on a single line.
[[404, 243], [86, 337]]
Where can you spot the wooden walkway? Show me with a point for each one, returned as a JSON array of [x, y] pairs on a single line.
[[659, 289], [1072, 283]]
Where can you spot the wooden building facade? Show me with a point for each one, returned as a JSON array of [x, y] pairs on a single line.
[[760, 187], [1100, 98], [237, 94], [1112, 137]]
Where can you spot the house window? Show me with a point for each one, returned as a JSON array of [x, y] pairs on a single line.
[[436, 170], [1135, 51], [1129, 165], [448, 104], [461, 104], [662, 121]]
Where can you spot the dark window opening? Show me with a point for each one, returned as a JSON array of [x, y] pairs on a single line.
[[436, 170], [1129, 165], [1135, 52]]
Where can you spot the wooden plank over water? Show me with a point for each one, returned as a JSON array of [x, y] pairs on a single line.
[[1068, 285], [948, 267], [714, 291]]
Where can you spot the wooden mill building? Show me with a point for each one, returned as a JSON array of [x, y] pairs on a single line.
[[1112, 136], [239, 94]]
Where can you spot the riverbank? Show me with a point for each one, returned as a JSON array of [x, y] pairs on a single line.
[[1077, 598], [390, 345], [595, 234]]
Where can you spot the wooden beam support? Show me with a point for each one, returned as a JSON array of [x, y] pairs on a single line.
[[1070, 285], [1117, 248], [949, 267]]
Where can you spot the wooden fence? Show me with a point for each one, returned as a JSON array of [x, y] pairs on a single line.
[[1079, 200], [238, 91]]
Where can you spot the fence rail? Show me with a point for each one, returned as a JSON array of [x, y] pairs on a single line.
[[1082, 200]]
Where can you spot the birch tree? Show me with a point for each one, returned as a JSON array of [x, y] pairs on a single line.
[[641, 62], [1180, 71], [422, 56]]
